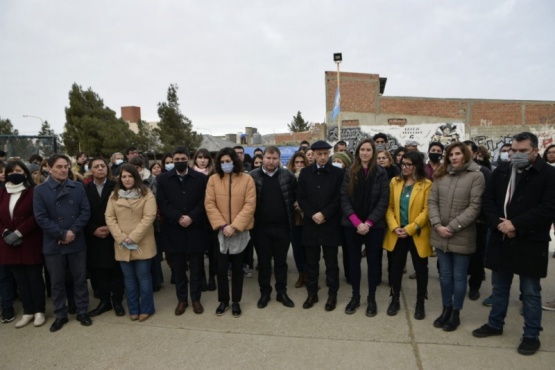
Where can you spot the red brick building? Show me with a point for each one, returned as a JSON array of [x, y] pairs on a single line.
[[487, 121]]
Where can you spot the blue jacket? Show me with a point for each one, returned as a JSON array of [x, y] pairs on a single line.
[[59, 208]]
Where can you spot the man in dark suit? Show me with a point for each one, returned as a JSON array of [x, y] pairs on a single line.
[[274, 221], [519, 203], [62, 210], [180, 197], [105, 272], [318, 197]]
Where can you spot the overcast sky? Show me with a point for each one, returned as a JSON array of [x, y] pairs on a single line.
[[256, 63]]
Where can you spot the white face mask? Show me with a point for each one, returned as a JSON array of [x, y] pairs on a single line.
[[119, 161], [337, 164], [504, 156], [86, 168]]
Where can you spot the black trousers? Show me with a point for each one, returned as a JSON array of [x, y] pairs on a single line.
[[476, 266], [236, 261], [397, 264], [30, 285], [76, 263], [312, 254], [196, 262], [272, 243], [109, 282]]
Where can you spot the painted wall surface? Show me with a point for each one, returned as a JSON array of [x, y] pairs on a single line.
[[425, 133]]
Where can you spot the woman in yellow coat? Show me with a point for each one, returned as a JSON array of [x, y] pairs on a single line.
[[130, 215], [409, 229]]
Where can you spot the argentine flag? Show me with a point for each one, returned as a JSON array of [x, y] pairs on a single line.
[[336, 105]]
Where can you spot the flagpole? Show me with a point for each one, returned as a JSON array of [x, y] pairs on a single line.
[[337, 57]]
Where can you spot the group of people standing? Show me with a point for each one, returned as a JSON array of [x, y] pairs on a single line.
[[115, 228]]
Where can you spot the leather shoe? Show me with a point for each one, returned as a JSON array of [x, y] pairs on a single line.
[[372, 308], [235, 309], [285, 300], [58, 324], [263, 301], [102, 307], [310, 300], [180, 309], [222, 308], [118, 309], [331, 303], [197, 307], [84, 319]]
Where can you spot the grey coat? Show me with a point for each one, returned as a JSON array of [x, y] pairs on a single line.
[[455, 202]]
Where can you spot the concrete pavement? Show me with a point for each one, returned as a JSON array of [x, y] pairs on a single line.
[[284, 338]]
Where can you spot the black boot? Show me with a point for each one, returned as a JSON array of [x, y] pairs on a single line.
[[454, 321], [442, 319], [394, 306], [419, 312]]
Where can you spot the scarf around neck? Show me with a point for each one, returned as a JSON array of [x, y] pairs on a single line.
[[129, 194]]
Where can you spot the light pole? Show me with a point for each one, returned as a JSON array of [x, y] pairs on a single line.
[[337, 58], [29, 116]]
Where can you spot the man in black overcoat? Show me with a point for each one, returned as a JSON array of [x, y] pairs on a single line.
[[318, 197], [180, 197]]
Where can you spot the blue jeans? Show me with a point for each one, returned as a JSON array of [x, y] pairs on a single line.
[[530, 293], [138, 286], [453, 271]]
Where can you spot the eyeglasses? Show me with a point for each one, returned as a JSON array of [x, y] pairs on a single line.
[[407, 165]]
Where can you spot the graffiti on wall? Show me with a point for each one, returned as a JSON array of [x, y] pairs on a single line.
[[492, 144], [398, 136]]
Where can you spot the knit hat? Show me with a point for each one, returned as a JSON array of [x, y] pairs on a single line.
[[33, 167], [344, 157]]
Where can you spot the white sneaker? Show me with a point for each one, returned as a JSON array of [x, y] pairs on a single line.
[[40, 319], [549, 306], [25, 320]]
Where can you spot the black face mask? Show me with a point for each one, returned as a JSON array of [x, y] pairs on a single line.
[[16, 178], [180, 166], [435, 157]]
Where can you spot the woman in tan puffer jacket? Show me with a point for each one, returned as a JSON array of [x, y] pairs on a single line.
[[454, 205], [230, 203]]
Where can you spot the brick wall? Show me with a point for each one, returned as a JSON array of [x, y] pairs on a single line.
[[131, 114]]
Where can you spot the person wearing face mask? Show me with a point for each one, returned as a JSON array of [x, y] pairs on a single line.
[[116, 160], [483, 157], [79, 165], [519, 203], [341, 160], [257, 161], [503, 156], [230, 204], [380, 139], [435, 154], [180, 197], [21, 247], [167, 162]]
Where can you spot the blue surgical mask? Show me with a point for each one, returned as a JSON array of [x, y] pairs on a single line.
[[227, 167], [504, 156], [169, 166]]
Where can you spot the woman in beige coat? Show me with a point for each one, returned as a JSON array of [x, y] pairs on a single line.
[[130, 216], [454, 205], [230, 203]]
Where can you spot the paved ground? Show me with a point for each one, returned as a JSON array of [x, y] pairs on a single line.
[[282, 338]]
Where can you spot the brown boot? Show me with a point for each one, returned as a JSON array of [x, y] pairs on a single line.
[[301, 280]]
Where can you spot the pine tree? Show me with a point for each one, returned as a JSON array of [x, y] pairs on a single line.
[[298, 124], [174, 128], [147, 140], [92, 127], [46, 146]]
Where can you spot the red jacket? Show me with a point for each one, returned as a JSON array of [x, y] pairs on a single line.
[[30, 251]]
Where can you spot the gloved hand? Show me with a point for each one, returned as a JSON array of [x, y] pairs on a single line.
[[11, 238]]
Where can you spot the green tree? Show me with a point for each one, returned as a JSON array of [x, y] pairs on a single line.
[[298, 124], [13, 145], [92, 127], [46, 146], [147, 140], [174, 128], [6, 127]]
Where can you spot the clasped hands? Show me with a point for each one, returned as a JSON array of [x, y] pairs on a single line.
[[507, 227], [12, 238], [70, 236], [318, 218], [185, 221]]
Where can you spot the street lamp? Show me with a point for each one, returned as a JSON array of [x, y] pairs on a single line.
[[29, 116], [338, 58]]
